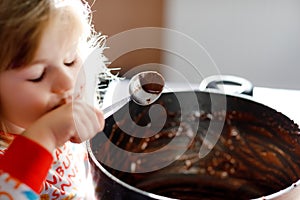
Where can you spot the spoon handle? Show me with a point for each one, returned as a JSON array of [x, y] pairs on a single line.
[[115, 107]]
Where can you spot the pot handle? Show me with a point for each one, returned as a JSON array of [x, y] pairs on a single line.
[[241, 85]]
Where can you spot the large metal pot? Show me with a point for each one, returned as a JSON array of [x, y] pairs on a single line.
[[201, 145]]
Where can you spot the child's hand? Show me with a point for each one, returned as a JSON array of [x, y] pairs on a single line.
[[75, 121]]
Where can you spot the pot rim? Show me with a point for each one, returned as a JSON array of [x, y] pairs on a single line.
[[280, 192], [122, 183], [159, 197]]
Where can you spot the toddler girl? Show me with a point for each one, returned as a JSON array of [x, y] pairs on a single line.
[[43, 117]]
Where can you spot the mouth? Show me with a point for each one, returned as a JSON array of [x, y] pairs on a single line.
[[55, 107], [66, 100], [61, 102]]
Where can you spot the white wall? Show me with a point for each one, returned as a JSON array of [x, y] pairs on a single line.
[[255, 39]]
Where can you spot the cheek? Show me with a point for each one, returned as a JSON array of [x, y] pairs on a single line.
[[22, 107]]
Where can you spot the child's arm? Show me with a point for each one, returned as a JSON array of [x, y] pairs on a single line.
[[22, 176], [26, 162]]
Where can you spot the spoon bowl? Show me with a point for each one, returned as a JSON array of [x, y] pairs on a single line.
[[144, 89]]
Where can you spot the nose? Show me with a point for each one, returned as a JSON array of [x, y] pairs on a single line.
[[63, 80]]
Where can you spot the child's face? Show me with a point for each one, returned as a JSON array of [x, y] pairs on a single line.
[[48, 82]]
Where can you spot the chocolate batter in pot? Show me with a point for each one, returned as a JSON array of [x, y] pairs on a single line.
[[257, 154]]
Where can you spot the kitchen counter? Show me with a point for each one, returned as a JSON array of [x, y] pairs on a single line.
[[282, 100]]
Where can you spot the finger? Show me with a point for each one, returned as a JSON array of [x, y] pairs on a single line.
[[100, 117]]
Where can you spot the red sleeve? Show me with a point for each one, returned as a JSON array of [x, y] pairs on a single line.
[[27, 161]]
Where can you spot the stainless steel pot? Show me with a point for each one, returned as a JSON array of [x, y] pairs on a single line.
[[211, 146]]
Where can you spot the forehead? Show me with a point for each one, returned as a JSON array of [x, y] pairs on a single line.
[[70, 18], [64, 30]]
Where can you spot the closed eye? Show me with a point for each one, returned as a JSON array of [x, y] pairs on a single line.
[[40, 78], [70, 64]]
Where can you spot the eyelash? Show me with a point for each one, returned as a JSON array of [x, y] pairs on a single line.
[[70, 64], [38, 79]]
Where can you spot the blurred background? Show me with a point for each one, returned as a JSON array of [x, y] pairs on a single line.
[[255, 39]]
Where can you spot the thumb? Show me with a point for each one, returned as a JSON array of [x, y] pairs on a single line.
[[100, 118]]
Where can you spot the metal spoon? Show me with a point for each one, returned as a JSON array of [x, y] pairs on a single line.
[[144, 89]]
